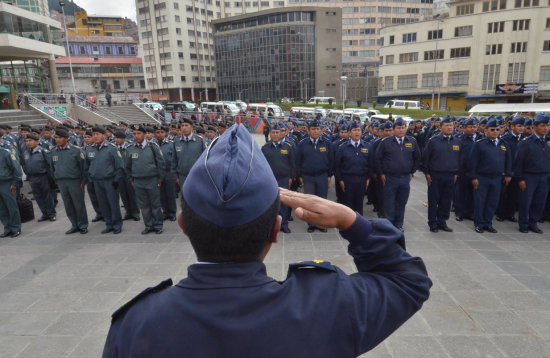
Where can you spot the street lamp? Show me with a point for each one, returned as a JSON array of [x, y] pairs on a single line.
[[344, 90], [302, 88], [62, 4], [435, 61], [367, 84], [241, 92]]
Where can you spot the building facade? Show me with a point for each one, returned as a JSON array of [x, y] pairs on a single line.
[[95, 25], [177, 42], [36, 6], [484, 51], [288, 52]]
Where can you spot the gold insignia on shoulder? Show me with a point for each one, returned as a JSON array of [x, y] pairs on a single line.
[[82, 155], [12, 156]]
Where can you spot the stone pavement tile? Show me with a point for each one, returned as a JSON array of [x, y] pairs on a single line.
[[74, 324], [542, 267], [130, 270], [26, 323], [89, 347], [380, 351], [290, 245], [480, 267], [415, 347], [498, 255], [517, 268], [493, 282], [501, 322], [451, 245], [451, 322], [291, 256], [465, 255], [329, 245], [15, 301], [482, 245], [143, 282], [98, 302], [523, 301], [523, 346], [168, 270], [49, 346], [59, 284], [143, 256], [415, 326], [114, 284], [57, 302], [440, 301], [539, 320], [174, 258], [534, 282], [540, 245], [460, 281], [477, 300], [10, 346], [470, 347], [531, 256]]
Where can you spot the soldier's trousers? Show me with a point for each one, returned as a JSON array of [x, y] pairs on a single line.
[[128, 197], [380, 198], [486, 200], [148, 200], [168, 196], [9, 211], [396, 195], [464, 198], [531, 201], [108, 203], [440, 195], [355, 186], [43, 195], [73, 199], [509, 200], [316, 185], [284, 210], [182, 179], [93, 199]]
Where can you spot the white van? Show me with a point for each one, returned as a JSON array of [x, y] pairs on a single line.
[[321, 100], [258, 109], [220, 107], [403, 104]]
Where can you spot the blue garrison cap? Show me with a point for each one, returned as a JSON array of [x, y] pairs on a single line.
[[399, 122], [518, 120], [354, 125], [276, 127], [386, 125], [472, 121], [447, 119], [541, 118], [483, 120], [314, 123], [528, 122], [492, 123], [231, 183]]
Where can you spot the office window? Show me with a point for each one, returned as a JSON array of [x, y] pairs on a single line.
[[460, 52], [264, 3], [463, 31], [116, 84], [495, 27], [159, 6], [493, 5], [176, 6], [516, 72], [388, 83], [120, 50], [520, 25], [493, 49], [517, 47], [107, 50], [103, 84], [180, 54], [392, 40], [544, 73], [545, 46], [141, 84], [435, 34], [431, 55], [408, 81], [465, 9], [458, 78], [168, 79], [237, 4], [177, 18], [182, 78], [408, 57], [182, 67], [178, 31], [131, 84], [430, 80], [548, 20], [491, 74], [389, 59], [411, 37]]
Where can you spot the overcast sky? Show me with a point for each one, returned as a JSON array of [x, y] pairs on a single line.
[[124, 8]]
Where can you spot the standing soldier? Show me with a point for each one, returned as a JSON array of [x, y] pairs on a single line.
[[280, 156], [144, 167], [127, 193], [188, 149], [351, 168], [168, 184], [70, 175], [314, 165], [38, 168], [10, 175], [509, 198], [88, 145], [464, 197], [105, 170], [398, 158], [491, 159], [440, 165], [385, 130], [532, 170]]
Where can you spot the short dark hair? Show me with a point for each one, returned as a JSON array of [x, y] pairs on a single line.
[[243, 243]]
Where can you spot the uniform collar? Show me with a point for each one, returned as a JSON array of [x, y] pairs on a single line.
[[67, 146], [226, 275], [36, 150]]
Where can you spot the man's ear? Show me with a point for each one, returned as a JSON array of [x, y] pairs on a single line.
[[180, 223], [275, 229]]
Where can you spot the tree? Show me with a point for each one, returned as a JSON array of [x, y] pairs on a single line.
[[359, 103], [390, 103], [330, 102]]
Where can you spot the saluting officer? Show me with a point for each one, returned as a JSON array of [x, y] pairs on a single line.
[[491, 159], [188, 148], [105, 167], [351, 168], [532, 170], [168, 185], [69, 166], [10, 175], [440, 161], [38, 167], [280, 156], [127, 193], [398, 158], [314, 165], [144, 167]]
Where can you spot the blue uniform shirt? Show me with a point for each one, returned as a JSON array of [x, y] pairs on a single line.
[[280, 157], [38, 162], [490, 159], [467, 143], [396, 159], [314, 159], [352, 159], [441, 155], [532, 157]]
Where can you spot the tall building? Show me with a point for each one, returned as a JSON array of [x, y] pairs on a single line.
[[95, 25], [289, 52], [482, 52], [178, 48], [361, 24], [36, 6]]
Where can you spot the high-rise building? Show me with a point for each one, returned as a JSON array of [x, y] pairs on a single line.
[[36, 6], [178, 47], [95, 25]]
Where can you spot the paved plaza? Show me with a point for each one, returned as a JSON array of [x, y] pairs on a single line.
[[490, 298]]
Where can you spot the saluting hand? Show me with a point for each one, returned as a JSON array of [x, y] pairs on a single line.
[[318, 211]]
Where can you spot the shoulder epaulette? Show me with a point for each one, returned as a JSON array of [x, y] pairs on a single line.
[[320, 264], [148, 291]]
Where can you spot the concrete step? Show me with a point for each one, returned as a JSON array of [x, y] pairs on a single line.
[[14, 113], [31, 122], [131, 114]]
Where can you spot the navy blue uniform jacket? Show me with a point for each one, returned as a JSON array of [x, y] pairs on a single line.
[[280, 159], [532, 157], [441, 155], [490, 160], [397, 160], [313, 159], [236, 310]]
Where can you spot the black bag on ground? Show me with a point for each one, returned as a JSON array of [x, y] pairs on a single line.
[[26, 210]]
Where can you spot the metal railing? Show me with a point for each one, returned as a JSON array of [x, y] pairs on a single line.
[[155, 115], [50, 108]]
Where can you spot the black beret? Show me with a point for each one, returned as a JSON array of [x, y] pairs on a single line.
[[138, 127], [122, 123], [62, 132], [90, 133], [120, 134], [36, 130], [32, 136], [187, 120], [199, 130], [98, 129], [47, 128], [149, 129], [211, 128]]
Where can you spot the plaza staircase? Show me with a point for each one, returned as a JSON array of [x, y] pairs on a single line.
[[15, 117], [131, 114]]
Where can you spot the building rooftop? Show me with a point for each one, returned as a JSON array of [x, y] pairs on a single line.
[[99, 60], [101, 39]]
